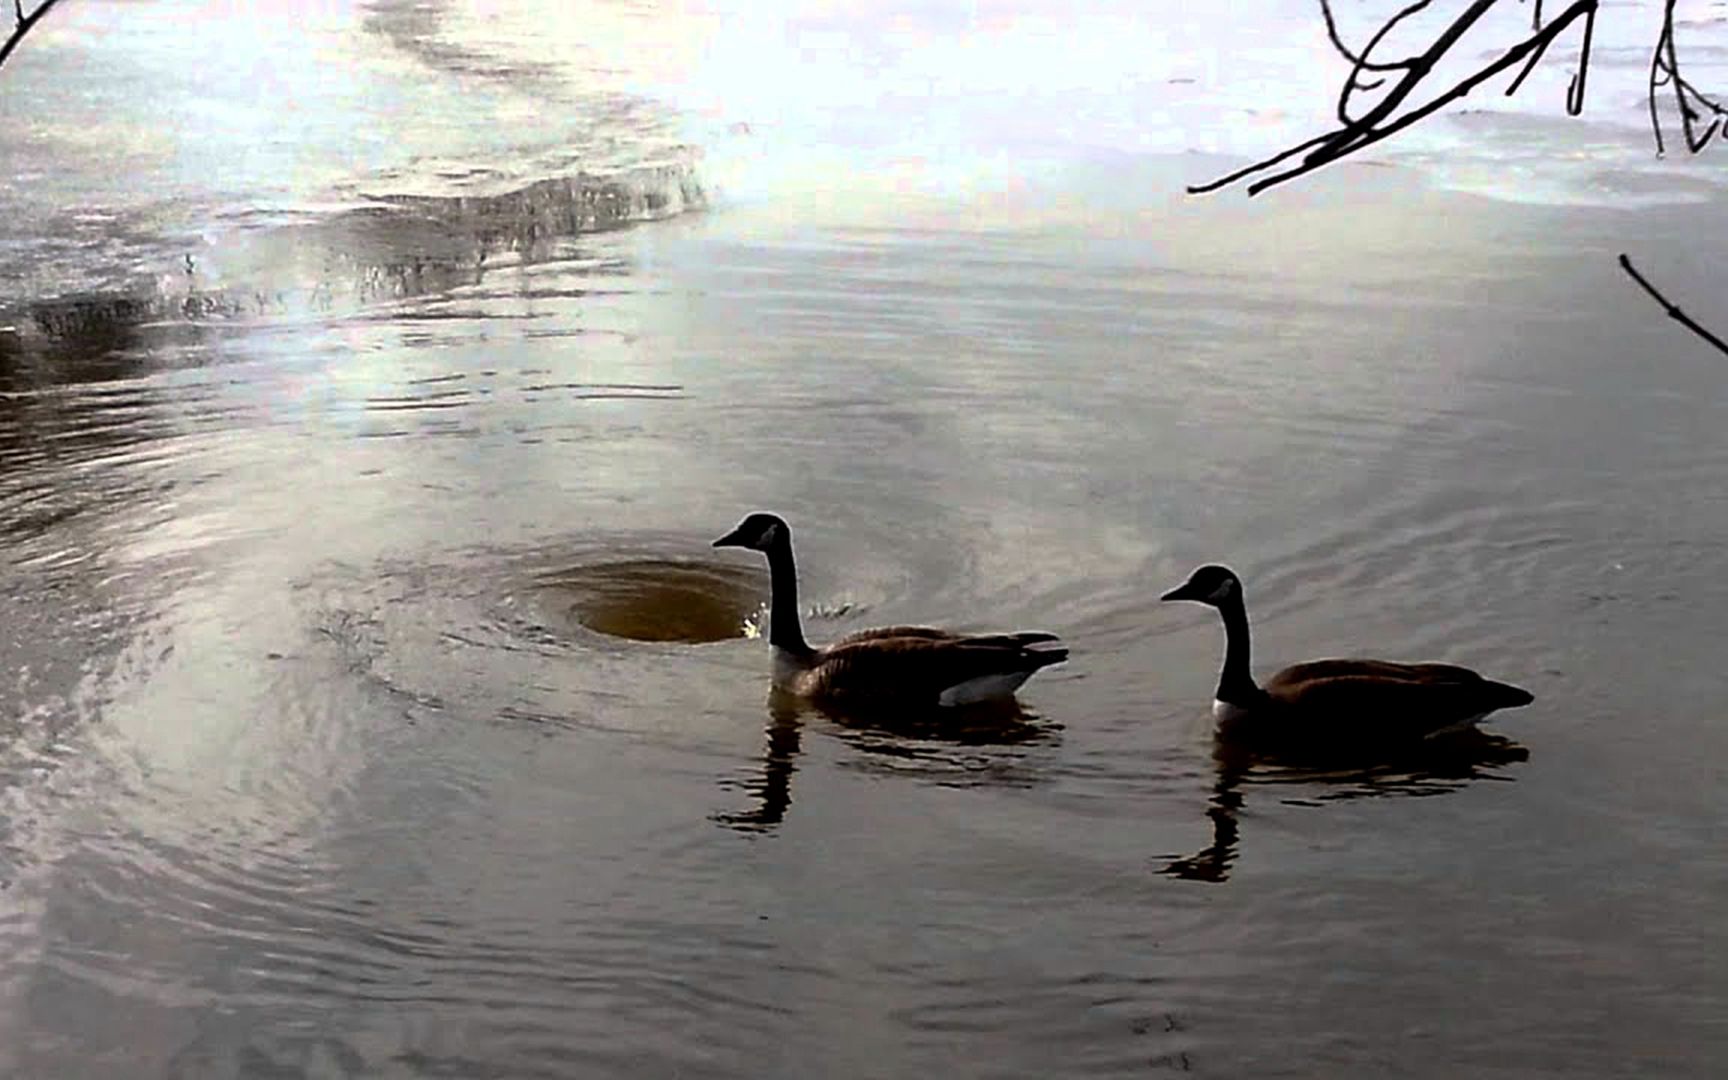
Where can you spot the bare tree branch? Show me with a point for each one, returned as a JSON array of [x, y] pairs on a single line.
[[1673, 310], [1415, 66], [23, 25], [1379, 121], [1344, 50], [1383, 118], [1701, 117], [1691, 104]]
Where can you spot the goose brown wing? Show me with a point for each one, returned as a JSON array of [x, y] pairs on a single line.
[[1422, 674], [1372, 705], [922, 665], [896, 632]]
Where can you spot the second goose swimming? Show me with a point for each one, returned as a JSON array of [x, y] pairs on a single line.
[[1337, 704], [914, 665]]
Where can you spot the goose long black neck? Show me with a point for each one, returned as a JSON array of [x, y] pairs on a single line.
[[1236, 683], [784, 629]]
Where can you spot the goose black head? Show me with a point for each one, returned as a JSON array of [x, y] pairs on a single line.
[[1212, 585], [759, 531]]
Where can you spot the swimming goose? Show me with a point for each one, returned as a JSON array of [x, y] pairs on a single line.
[[903, 664], [1337, 702]]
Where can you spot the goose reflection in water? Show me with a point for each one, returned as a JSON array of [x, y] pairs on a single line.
[[1435, 767], [938, 743]]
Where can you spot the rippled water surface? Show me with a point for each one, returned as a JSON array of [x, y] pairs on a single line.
[[374, 705]]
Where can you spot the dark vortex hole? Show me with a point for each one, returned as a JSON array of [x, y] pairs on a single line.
[[660, 599]]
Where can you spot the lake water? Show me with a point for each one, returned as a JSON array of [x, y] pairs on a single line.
[[374, 379]]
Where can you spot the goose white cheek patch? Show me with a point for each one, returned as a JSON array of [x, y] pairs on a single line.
[[1221, 593]]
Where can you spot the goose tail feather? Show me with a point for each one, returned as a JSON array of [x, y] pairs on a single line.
[[1506, 696], [1042, 650]]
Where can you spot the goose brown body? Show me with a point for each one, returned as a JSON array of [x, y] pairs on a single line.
[[901, 664], [919, 663], [1338, 702]]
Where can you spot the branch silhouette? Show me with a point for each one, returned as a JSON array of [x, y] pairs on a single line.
[[1362, 127], [1689, 101], [1701, 117], [1673, 310], [22, 25]]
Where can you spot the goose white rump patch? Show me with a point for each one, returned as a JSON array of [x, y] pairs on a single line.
[[983, 688], [1454, 728]]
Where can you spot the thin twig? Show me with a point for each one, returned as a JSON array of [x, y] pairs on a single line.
[[1689, 102], [1575, 88], [25, 22], [1416, 67], [1673, 310], [1250, 170], [1360, 61]]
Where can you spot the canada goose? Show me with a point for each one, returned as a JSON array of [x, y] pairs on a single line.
[[903, 664], [1337, 702]]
